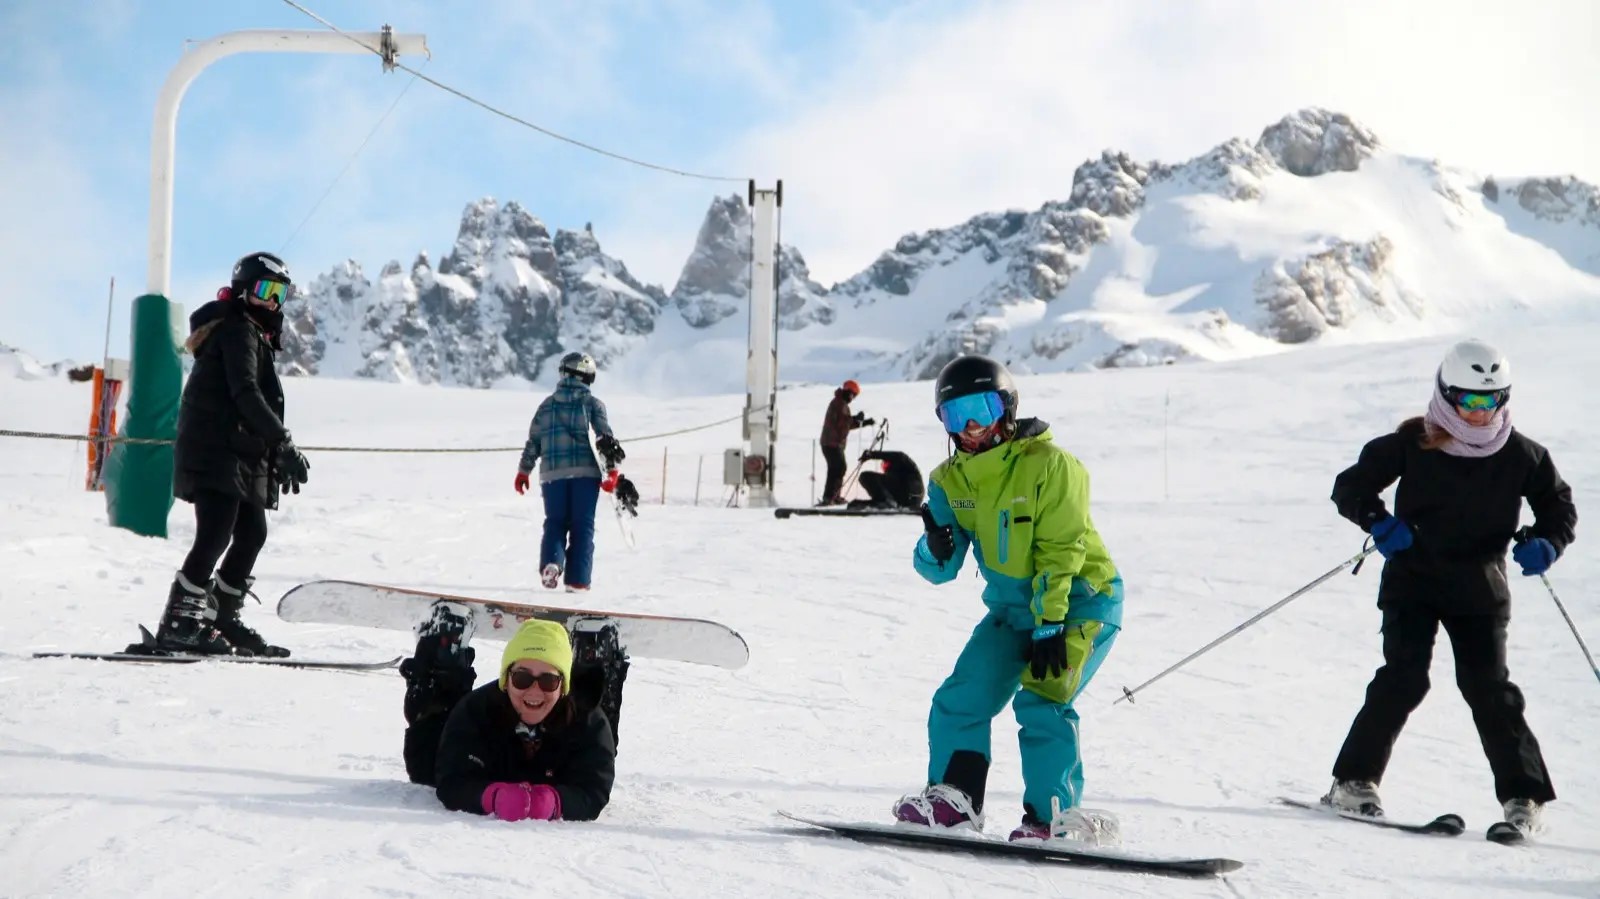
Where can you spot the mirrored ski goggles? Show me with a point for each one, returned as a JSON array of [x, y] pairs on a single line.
[[1475, 402], [269, 293], [983, 408], [522, 679]]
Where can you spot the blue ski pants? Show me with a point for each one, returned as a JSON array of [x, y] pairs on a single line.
[[990, 672], [569, 527]]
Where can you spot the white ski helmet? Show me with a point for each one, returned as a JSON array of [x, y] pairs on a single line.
[[1473, 366], [579, 365]]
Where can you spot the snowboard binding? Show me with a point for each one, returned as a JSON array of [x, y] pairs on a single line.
[[440, 671], [599, 668]]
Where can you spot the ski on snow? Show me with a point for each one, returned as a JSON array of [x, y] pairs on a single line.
[[148, 652], [838, 512], [1447, 825], [1505, 833], [1088, 856]]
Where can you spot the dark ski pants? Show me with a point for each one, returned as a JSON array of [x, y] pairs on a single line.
[[891, 492], [1479, 644], [224, 523], [569, 527], [834, 456]]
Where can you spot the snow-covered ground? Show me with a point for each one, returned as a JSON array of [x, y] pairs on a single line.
[[1211, 485]]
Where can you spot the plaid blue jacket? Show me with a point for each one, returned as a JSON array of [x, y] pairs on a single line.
[[559, 434]]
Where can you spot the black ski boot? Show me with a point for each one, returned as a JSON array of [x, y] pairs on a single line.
[[188, 623], [230, 601], [599, 668], [440, 672]]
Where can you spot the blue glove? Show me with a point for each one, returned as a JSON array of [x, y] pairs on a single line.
[[1535, 556], [1390, 535]]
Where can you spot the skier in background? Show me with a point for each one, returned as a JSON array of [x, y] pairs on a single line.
[[569, 476], [1054, 606], [1463, 473], [898, 486], [232, 457], [524, 746], [837, 424]]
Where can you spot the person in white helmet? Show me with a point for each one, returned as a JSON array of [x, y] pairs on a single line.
[[1463, 474]]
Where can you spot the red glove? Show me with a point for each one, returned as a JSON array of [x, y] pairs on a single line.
[[518, 801], [609, 482], [522, 481]]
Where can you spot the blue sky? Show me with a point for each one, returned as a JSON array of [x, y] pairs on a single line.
[[881, 116]]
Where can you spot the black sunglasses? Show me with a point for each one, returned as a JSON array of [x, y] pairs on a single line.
[[522, 679]]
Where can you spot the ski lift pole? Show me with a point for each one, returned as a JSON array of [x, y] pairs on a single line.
[[1353, 560]]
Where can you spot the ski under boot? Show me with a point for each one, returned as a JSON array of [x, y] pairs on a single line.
[[1359, 797]]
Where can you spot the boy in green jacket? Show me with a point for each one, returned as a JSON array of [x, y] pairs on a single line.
[[1054, 607]]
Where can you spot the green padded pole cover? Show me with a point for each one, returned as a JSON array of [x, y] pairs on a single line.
[[138, 476]]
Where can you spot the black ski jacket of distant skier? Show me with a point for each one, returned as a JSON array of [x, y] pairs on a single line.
[[1462, 513], [480, 745], [231, 415]]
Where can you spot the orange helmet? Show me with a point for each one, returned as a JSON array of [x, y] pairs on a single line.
[[853, 388]]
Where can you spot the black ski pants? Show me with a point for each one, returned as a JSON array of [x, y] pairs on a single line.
[[834, 456], [891, 492], [1479, 645], [224, 523]]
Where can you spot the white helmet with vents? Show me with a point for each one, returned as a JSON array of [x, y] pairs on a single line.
[[1473, 366]]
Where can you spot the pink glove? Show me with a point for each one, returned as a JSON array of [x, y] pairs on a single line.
[[517, 801]]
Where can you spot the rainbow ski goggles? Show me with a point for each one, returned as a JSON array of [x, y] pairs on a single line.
[[984, 408], [1474, 401], [270, 293]]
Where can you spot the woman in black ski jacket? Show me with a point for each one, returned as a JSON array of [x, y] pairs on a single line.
[[232, 456], [521, 747], [1463, 474]]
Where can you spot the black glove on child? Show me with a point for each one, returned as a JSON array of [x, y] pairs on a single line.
[[290, 465], [941, 538], [1047, 654], [610, 450], [628, 495]]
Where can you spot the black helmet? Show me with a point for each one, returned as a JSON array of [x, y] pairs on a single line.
[[966, 375], [258, 267], [579, 365]]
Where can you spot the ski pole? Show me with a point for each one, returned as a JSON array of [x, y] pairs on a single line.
[[1522, 536], [1353, 560]]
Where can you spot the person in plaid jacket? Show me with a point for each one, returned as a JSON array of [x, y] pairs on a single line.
[[569, 475]]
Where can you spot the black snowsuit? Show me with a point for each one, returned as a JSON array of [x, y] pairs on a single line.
[[900, 486], [1462, 512], [477, 744], [229, 422]]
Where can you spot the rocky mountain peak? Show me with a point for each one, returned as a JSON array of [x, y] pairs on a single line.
[[1315, 141]]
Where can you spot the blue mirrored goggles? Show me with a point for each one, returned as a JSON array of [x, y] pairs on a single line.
[[1474, 401], [984, 408]]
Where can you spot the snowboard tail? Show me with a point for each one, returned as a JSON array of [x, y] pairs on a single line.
[[1090, 857], [399, 608]]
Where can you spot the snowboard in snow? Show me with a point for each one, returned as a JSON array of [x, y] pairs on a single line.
[[1088, 856], [399, 608], [838, 512], [1447, 825]]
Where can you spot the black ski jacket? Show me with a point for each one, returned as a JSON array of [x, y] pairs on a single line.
[[480, 746], [1462, 514], [231, 415], [903, 477]]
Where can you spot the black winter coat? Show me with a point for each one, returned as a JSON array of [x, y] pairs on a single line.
[[1462, 513], [480, 746], [231, 416]]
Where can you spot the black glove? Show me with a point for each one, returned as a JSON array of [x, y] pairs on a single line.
[[859, 418], [1047, 654], [290, 466], [628, 495], [941, 538], [610, 450], [868, 422]]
